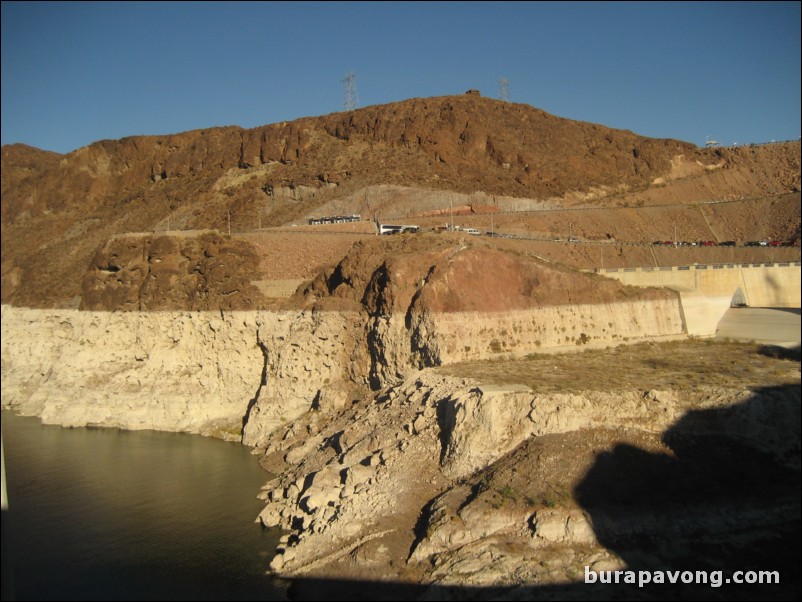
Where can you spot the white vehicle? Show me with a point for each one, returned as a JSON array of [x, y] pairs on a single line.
[[393, 229], [471, 231]]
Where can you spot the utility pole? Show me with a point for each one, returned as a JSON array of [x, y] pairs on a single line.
[[229, 222], [451, 205]]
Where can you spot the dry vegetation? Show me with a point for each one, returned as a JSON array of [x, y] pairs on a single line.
[[645, 366], [297, 253]]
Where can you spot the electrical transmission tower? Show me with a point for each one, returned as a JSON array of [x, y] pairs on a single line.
[[351, 99], [504, 89]]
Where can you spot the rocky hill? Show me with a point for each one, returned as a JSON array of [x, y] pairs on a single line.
[[409, 394], [58, 210], [463, 143]]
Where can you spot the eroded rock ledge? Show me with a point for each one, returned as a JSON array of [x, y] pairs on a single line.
[[242, 374], [443, 481]]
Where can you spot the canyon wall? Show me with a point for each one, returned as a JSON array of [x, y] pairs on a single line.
[[173, 371], [242, 374]]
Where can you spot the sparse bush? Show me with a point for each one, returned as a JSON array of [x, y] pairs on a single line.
[[507, 492]]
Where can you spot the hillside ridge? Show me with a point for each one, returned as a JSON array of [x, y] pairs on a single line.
[[58, 211]]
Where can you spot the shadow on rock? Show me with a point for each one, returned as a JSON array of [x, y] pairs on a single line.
[[782, 353], [723, 498], [727, 498]]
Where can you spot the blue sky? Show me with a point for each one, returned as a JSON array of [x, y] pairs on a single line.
[[74, 72]]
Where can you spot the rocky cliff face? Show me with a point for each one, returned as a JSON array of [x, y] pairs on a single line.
[[202, 372], [174, 371], [150, 272], [240, 374], [388, 309], [448, 299], [312, 361]]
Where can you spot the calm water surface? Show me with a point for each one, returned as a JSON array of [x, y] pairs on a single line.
[[107, 514]]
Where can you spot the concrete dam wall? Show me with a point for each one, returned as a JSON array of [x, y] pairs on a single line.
[[708, 291]]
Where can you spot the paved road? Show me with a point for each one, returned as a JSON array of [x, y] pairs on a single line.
[[780, 326]]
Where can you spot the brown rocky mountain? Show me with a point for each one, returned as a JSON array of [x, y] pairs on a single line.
[[464, 143], [59, 210]]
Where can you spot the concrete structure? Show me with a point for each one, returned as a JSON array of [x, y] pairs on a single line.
[[708, 291], [762, 325]]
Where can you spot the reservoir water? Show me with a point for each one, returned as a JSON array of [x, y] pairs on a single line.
[[104, 514]]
